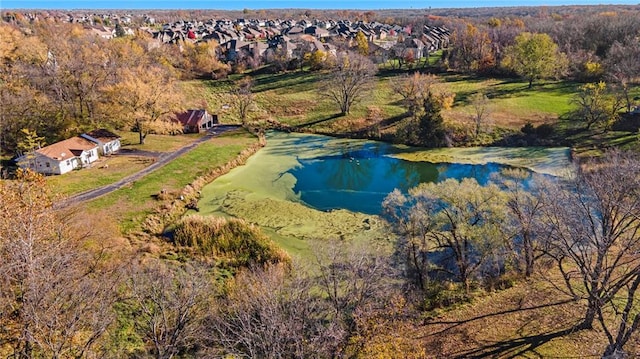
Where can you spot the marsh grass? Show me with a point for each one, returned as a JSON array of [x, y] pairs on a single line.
[[231, 242]]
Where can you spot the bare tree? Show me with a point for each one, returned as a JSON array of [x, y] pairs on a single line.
[[594, 224], [242, 98], [622, 67], [270, 313], [169, 304], [349, 81], [413, 90], [351, 275], [55, 295], [480, 103], [523, 224]]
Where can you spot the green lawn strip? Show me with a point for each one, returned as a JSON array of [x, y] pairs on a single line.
[[135, 202], [105, 171], [157, 143]]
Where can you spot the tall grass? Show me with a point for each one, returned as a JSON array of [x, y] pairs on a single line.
[[232, 242]]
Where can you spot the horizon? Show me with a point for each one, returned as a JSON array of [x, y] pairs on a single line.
[[285, 4]]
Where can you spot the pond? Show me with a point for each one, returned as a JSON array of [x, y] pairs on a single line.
[[310, 185]]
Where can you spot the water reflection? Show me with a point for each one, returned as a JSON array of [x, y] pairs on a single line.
[[358, 178]]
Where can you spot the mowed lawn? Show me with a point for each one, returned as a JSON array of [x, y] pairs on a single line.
[[157, 143], [105, 171], [129, 205], [110, 169]]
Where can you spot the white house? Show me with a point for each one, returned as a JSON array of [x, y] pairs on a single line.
[[61, 157], [107, 141]]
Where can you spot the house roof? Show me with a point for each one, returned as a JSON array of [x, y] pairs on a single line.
[[191, 117], [102, 135], [65, 150]]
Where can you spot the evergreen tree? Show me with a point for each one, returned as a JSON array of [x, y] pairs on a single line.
[[120, 31], [431, 131]]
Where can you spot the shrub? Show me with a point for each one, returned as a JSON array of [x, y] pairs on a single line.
[[528, 128], [232, 242], [544, 130]]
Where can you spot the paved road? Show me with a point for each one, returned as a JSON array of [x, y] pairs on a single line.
[[162, 160]]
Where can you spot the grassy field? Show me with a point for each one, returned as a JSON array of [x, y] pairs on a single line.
[[129, 205], [294, 98]]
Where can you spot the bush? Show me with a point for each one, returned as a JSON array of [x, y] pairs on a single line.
[[232, 242], [443, 295], [545, 130], [528, 129]]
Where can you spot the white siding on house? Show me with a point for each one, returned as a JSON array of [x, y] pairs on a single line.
[[46, 165], [89, 156], [111, 147]]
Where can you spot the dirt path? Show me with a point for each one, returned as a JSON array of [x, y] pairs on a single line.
[[162, 159]]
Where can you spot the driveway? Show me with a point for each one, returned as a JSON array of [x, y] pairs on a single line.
[[161, 160]]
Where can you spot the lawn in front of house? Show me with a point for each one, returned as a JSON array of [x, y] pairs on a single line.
[[105, 171], [110, 169]]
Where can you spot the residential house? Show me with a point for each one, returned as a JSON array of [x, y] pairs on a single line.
[[61, 157], [195, 120], [107, 141]]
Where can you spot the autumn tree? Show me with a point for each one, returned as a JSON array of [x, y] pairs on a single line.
[[56, 295], [22, 104], [349, 80], [460, 220], [594, 226], [142, 96], [471, 49], [363, 44], [75, 74], [597, 105], [316, 60], [534, 56], [200, 60]]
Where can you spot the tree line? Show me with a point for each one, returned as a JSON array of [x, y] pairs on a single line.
[[59, 80]]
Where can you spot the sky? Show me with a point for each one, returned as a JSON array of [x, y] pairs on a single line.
[[283, 4]]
